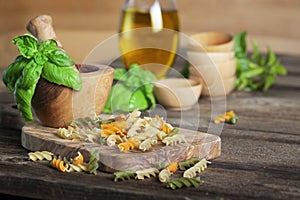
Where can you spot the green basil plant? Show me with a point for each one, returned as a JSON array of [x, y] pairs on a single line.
[[133, 90], [255, 71], [44, 59]]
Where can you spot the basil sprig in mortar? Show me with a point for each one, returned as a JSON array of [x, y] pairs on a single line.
[[44, 59]]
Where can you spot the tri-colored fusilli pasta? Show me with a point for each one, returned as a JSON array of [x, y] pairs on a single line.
[[40, 155]]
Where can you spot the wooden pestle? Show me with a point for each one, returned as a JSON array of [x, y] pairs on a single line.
[[41, 27]]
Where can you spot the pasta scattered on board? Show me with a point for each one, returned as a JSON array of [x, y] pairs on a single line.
[[127, 132]]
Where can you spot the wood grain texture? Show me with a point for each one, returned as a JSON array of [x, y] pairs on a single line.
[[52, 102], [260, 155], [202, 145]]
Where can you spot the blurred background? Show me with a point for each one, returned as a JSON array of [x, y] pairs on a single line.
[[81, 25]]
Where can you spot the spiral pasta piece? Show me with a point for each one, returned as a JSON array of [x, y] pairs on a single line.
[[65, 133], [40, 155], [229, 117], [113, 139], [146, 173], [198, 167], [78, 159], [184, 182], [93, 163], [174, 140], [184, 165], [83, 167], [122, 175], [128, 145], [164, 176], [147, 143], [59, 164], [116, 127], [172, 167]]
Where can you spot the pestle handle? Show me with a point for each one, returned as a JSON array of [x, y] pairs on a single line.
[[41, 27]]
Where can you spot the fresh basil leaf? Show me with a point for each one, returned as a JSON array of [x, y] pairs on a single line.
[[122, 99], [240, 45], [31, 74], [23, 99], [138, 101], [118, 99], [66, 76], [27, 45], [149, 77], [60, 58], [148, 92], [256, 56], [47, 45], [11, 74], [271, 57], [278, 69], [119, 73], [269, 80], [134, 90], [40, 58]]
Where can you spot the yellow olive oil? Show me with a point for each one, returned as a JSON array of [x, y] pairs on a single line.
[[149, 41]]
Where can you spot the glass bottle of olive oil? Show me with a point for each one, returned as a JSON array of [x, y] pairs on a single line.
[[149, 34]]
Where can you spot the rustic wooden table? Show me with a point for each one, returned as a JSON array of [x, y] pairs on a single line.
[[259, 160]]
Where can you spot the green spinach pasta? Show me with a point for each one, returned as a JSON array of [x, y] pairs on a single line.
[[184, 182], [184, 165], [122, 175]]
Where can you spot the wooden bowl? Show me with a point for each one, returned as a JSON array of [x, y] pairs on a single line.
[[220, 87], [211, 42], [209, 58], [225, 69], [57, 106], [177, 93]]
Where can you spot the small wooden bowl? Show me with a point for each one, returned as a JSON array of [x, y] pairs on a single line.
[[217, 88], [209, 58], [225, 70], [211, 42], [57, 106], [177, 93]]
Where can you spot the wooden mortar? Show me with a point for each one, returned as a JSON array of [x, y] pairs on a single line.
[[57, 106]]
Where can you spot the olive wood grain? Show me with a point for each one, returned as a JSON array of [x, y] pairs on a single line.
[[41, 27], [39, 138]]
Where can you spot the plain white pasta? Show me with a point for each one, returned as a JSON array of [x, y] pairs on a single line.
[[65, 133], [173, 140], [164, 175], [150, 130], [90, 135], [132, 117], [136, 127], [141, 174], [84, 134], [113, 139], [147, 143], [156, 122], [78, 167], [40, 155], [161, 135], [198, 167]]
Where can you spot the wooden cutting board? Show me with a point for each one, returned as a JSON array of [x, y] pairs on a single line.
[[38, 138]]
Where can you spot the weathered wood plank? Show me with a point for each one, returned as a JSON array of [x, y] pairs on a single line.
[[248, 171], [260, 156]]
